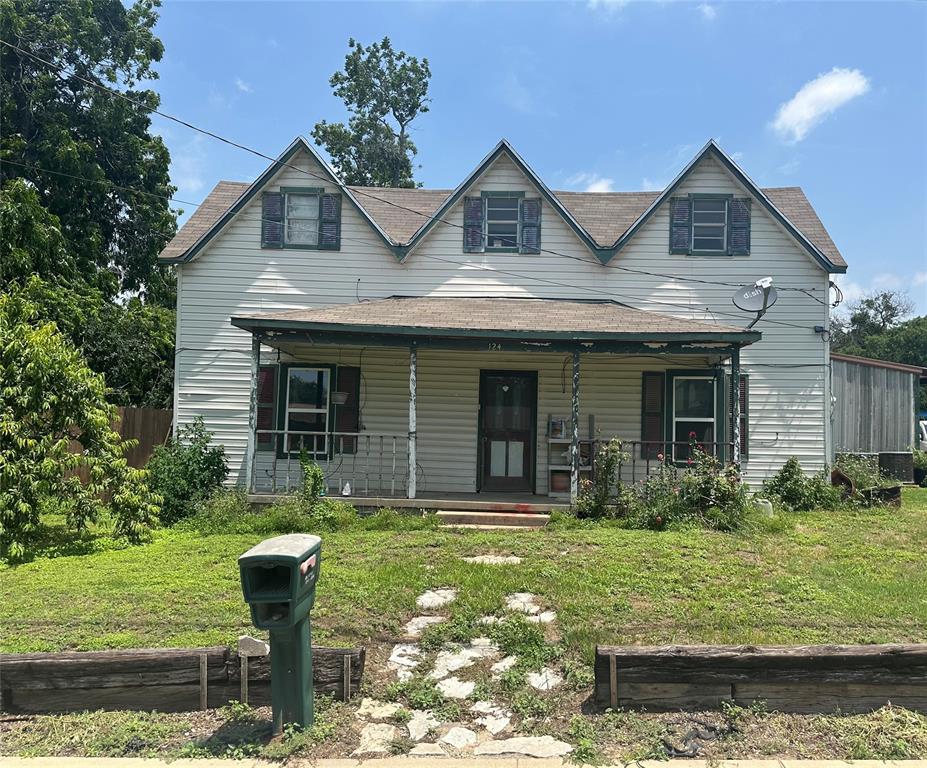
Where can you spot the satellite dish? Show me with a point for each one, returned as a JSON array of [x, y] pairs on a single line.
[[755, 298]]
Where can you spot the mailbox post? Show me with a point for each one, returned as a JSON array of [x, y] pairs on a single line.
[[278, 579]]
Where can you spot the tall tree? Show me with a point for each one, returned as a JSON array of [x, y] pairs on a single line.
[[55, 121], [870, 316], [384, 90]]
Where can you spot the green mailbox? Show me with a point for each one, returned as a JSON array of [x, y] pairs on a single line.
[[278, 579]]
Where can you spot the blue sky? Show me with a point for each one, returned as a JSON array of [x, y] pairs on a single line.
[[594, 94]]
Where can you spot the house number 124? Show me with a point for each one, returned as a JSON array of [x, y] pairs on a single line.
[[494, 346]]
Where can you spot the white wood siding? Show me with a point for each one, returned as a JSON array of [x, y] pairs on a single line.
[[788, 385]]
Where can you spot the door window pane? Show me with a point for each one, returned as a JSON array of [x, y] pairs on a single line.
[[497, 456], [516, 456], [308, 388]]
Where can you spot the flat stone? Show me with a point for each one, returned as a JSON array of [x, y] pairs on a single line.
[[494, 559], [460, 738], [503, 665], [489, 620], [436, 598], [421, 723], [522, 602], [376, 739], [455, 688], [545, 617], [371, 709], [493, 718], [404, 658], [448, 661], [527, 746], [427, 749], [544, 680], [416, 626]]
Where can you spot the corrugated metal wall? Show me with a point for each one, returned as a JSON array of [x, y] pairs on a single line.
[[873, 408]]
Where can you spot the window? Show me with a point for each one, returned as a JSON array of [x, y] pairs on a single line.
[[693, 416], [709, 225], [266, 407], [302, 219], [307, 407], [502, 222]]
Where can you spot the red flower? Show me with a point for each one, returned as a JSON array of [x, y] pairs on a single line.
[[692, 434]]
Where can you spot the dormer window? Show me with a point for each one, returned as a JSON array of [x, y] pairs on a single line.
[[709, 225], [501, 223], [304, 218]]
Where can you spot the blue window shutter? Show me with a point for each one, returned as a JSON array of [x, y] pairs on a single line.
[[680, 237], [738, 239], [272, 220], [529, 210], [473, 224], [330, 222]]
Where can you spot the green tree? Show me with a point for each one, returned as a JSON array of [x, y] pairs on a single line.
[[54, 421], [384, 90], [114, 226]]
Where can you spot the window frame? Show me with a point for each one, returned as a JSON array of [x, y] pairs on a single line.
[[669, 401], [694, 199], [487, 196], [317, 192], [284, 410]]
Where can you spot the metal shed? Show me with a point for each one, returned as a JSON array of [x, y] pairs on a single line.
[[873, 404]]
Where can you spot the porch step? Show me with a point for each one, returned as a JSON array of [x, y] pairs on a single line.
[[464, 519]]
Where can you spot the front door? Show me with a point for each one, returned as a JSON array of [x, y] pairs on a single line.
[[507, 430]]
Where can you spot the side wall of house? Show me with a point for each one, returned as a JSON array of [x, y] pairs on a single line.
[[233, 275]]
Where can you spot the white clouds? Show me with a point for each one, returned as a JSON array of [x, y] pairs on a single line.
[[187, 167], [515, 93], [815, 100], [737, 156], [920, 278], [851, 291], [591, 182], [242, 86], [887, 281], [649, 185], [709, 12], [609, 6]]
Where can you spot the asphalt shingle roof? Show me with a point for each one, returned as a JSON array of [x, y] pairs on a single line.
[[604, 215], [535, 317]]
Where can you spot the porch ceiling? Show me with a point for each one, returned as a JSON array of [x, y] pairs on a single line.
[[540, 324]]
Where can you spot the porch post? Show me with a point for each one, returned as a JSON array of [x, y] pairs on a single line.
[[413, 364], [252, 412], [735, 403], [574, 431]]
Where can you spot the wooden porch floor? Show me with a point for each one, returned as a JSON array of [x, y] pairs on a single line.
[[457, 502]]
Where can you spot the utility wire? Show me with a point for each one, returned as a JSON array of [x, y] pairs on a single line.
[[607, 293], [355, 190]]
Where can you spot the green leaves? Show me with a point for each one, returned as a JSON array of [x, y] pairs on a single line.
[[384, 90], [54, 422]]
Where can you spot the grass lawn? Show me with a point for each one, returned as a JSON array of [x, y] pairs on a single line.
[[848, 577]]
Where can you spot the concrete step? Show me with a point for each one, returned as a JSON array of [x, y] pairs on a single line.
[[463, 518]]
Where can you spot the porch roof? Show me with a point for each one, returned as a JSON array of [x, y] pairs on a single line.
[[407, 320]]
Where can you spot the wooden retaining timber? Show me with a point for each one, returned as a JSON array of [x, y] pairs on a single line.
[[815, 678], [163, 679]]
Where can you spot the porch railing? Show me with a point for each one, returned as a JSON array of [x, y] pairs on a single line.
[[646, 456], [372, 462]]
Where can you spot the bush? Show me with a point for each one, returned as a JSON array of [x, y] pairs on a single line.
[[603, 496], [798, 492], [920, 468], [864, 471], [314, 486], [50, 404], [706, 493], [186, 470]]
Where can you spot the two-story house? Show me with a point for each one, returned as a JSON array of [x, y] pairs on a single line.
[[447, 343]]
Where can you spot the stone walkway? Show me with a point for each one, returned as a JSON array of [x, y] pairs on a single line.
[[486, 726]]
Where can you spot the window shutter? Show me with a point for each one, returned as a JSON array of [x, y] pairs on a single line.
[[529, 210], [272, 220], [680, 225], [330, 222], [744, 413], [347, 416], [473, 224], [652, 395], [738, 239]]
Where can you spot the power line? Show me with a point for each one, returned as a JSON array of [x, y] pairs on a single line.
[[607, 293], [360, 190]]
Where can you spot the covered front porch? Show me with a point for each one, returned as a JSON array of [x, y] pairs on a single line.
[[483, 400]]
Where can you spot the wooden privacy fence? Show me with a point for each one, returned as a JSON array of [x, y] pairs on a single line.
[[149, 426], [814, 678], [163, 679]]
